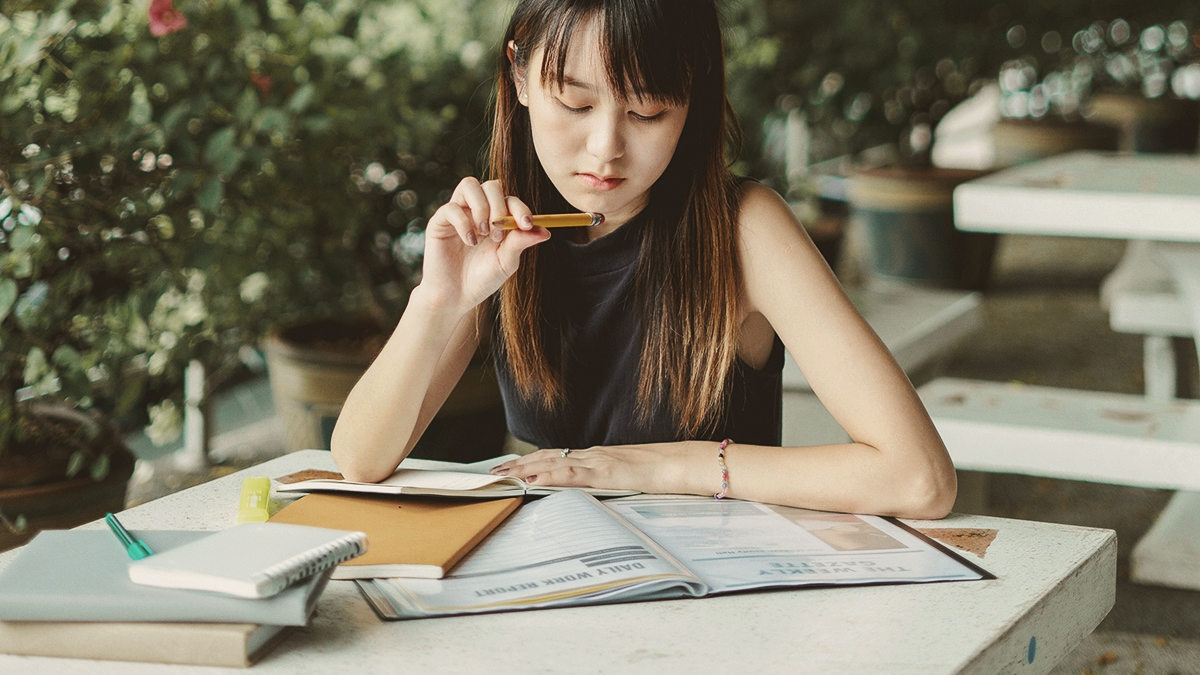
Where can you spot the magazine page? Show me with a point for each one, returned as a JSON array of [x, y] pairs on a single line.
[[735, 545], [565, 549]]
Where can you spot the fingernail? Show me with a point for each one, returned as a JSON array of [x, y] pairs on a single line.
[[527, 221], [497, 234], [483, 228], [497, 471], [471, 239], [531, 479]]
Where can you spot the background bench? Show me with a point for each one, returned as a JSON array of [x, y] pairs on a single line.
[[1142, 298], [1120, 439]]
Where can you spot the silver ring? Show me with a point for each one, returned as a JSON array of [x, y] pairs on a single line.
[[564, 452]]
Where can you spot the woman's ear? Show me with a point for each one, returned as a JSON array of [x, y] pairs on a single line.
[[518, 61]]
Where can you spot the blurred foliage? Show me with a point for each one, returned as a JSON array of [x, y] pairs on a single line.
[[1058, 73], [871, 72], [164, 199]]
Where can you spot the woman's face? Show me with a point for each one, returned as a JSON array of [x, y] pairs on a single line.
[[602, 152]]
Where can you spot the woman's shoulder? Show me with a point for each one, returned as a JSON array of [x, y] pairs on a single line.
[[779, 261], [763, 213], [752, 194]]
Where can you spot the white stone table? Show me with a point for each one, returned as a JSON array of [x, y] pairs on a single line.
[[1088, 194], [1153, 201], [1054, 584]]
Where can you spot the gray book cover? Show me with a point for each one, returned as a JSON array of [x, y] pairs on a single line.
[[83, 575]]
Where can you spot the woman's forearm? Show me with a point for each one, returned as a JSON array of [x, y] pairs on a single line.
[[402, 389], [854, 478], [913, 482], [851, 477]]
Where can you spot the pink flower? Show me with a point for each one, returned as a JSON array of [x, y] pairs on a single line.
[[164, 18], [263, 82]]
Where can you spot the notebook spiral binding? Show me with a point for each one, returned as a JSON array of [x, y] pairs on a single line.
[[311, 562]]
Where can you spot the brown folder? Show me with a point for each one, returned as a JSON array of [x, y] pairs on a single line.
[[406, 536]]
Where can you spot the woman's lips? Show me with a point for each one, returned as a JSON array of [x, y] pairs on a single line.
[[600, 183]]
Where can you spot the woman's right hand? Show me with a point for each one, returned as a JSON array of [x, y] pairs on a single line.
[[466, 258]]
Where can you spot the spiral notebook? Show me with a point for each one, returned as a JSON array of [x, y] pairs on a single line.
[[251, 560]]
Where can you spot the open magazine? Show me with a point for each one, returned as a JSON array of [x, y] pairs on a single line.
[[459, 480], [569, 549]]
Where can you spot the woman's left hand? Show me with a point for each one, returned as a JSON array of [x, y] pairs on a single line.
[[655, 469]]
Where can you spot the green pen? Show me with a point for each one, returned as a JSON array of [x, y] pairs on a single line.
[[136, 548]]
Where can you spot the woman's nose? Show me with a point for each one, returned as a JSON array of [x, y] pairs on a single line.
[[606, 140]]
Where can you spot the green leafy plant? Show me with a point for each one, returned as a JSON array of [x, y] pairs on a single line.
[[862, 73], [176, 179], [865, 73]]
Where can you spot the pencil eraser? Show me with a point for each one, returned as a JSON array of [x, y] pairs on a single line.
[[253, 506]]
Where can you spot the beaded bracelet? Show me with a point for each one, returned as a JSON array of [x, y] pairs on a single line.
[[724, 469]]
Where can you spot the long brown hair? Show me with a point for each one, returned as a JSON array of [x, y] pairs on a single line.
[[686, 285]]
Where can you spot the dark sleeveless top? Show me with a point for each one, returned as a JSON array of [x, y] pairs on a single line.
[[593, 282]]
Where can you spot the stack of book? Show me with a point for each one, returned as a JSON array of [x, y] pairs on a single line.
[[81, 593], [202, 598]]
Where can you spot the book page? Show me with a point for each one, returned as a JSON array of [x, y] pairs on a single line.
[[445, 480], [423, 477], [735, 545], [565, 549], [482, 466], [485, 465], [418, 482]]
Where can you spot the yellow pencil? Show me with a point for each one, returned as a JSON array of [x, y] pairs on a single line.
[[555, 220]]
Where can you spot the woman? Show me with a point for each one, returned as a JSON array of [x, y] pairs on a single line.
[[632, 352]]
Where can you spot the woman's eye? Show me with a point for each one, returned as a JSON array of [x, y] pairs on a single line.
[[574, 109], [648, 118]]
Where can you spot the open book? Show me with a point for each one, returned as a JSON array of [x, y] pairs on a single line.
[[465, 480], [569, 549]]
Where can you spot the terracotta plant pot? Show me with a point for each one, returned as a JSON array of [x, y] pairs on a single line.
[[1026, 140], [1149, 124], [907, 219], [312, 368], [35, 489]]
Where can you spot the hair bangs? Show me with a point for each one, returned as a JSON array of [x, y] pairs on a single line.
[[644, 57]]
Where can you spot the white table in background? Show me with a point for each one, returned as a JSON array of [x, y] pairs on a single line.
[[918, 325], [1153, 201], [1054, 585]]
